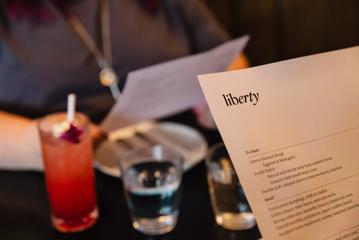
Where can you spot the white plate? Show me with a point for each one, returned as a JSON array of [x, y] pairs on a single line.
[[185, 140]]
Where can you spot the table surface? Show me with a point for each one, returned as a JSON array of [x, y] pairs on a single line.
[[24, 209]]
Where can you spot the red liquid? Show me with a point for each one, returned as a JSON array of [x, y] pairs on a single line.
[[70, 182]]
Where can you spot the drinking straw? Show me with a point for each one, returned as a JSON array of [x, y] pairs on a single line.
[[71, 105]]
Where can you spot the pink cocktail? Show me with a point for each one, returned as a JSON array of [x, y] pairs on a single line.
[[69, 174]]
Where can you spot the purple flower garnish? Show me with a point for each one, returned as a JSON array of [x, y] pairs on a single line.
[[72, 134]]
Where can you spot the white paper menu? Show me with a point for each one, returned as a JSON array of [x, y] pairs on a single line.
[[166, 88], [292, 131]]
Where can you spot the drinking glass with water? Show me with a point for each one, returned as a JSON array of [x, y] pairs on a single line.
[[152, 183], [228, 200]]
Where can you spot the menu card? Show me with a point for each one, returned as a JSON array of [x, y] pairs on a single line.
[[292, 131], [170, 87]]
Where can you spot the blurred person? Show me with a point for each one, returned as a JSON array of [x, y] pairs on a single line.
[[43, 57]]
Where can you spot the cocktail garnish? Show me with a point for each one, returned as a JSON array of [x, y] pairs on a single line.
[[72, 134], [67, 131]]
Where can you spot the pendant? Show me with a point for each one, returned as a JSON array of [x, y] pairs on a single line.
[[108, 77]]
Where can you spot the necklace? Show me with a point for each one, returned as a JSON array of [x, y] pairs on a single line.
[[107, 76]]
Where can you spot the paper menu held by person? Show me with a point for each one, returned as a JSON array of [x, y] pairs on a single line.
[[292, 131], [170, 87]]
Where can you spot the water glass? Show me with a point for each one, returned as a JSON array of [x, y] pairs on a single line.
[[69, 174], [152, 178], [228, 200]]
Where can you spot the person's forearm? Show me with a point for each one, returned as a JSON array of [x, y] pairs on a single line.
[[19, 143]]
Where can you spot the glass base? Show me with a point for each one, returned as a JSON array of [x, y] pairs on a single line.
[[236, 221], [155, 226], [75, 225]]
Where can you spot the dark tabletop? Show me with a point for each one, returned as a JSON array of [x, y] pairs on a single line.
[[24, 210]]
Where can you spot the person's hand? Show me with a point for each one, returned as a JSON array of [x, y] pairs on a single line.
[[240, 62], [97, 135]]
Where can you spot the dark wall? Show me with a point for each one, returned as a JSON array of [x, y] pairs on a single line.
[[283, 29]]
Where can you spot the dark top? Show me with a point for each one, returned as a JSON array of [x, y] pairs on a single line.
[[41, 62]]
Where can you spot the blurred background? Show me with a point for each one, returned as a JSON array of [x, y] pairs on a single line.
[[284, 29]]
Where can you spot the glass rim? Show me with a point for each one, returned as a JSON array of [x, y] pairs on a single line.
[[79, 115], [121, 162]]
